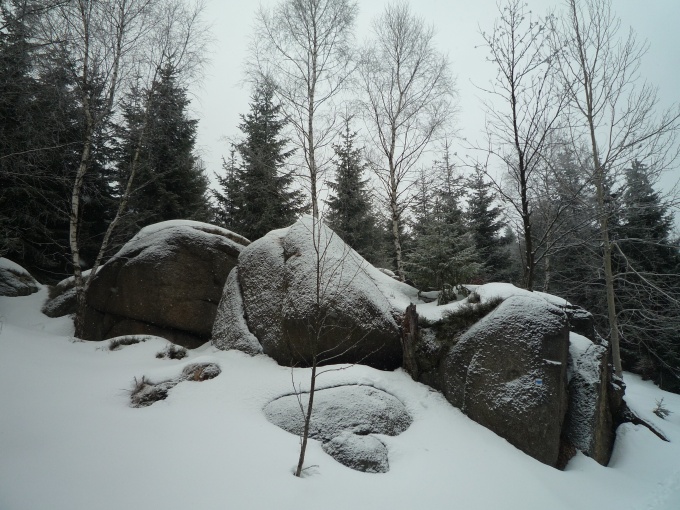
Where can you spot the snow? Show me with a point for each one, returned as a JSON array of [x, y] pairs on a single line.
[[156, 242], [70, 440], [196, 225], [433, 312], [11, 266]]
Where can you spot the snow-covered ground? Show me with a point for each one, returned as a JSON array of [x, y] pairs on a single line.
[[70, 441]]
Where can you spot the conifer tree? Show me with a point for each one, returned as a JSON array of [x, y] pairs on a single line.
[[443, 254], [256, 195], [41, 132], [648, 281], [171, 183], [487, 226], [350, 212]]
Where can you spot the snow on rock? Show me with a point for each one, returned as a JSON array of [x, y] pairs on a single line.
[[362, 453], [355, 408], [62, 302], [294, 310], [230, 330], [183, 224], [62, 297], [15, 280], [508, 373], [166, 281]]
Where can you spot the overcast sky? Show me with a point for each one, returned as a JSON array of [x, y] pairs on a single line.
[[223, 96]]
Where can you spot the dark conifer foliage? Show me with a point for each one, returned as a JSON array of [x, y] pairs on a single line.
[[648, 281], [170, 182], [486, 224], [443, 252], [350, 209], [40, 136], [256, 193]]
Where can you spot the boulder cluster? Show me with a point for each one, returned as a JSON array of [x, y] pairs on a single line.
[[530, 367]]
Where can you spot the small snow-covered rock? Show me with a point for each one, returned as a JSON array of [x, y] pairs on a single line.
[[358, 409], [15, 280], [362, 453]]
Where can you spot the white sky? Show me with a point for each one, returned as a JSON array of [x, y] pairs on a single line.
[[223, 95]]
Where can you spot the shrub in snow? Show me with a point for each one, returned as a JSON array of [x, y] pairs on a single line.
[[120, 341], [661, 410], [144, 392], [172, 352]]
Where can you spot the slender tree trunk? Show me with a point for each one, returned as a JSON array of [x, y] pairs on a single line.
[[600, 190], [394, 210], [308, 420], [75, 217]]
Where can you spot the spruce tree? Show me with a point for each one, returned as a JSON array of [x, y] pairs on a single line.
[[170, 182], [648, 282], [485, 220], [256, 195], [350, 212], [41, 133], [443, 253]]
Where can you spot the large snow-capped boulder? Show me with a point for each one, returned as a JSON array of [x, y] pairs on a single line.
[[15, 280], [508, 372], [344, 419], [304, 292], [166, 281]]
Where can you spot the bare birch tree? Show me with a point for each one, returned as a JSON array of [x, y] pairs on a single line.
[[407, 99], [304, 47], [613, 111], [523, 112], [110, 42], [324, 337]]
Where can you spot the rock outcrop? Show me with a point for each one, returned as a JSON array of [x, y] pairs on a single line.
[[166, 281], [509, 373], [595, 399], [15, 280], [305, 295], [526, 370], [343, 419]]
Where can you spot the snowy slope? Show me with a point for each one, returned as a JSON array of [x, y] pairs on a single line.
[[69, 440]]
